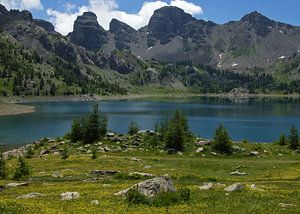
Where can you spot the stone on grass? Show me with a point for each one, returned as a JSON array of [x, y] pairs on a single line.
[[207, 186], [254, 153], [56, 175], [152, 187], [95, 202], [142, 174], [234, 187], [30, 195], [17, 184], [200, 149], [66, 196], [237, 173]]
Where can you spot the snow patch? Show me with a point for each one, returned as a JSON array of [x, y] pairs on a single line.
[[181, 37], [281, 31], [149, 48], [234, 64], [221, 56], [298, 51], [282, 57]]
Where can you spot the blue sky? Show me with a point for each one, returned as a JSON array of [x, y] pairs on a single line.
[[63, 12]]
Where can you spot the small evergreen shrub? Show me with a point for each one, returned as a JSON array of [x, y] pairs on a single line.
[[133, 128], [65, 153], [3, 170], [133, 196], [22, 169]]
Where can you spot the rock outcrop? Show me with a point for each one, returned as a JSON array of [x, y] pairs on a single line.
[[88, 33], [152, 187]]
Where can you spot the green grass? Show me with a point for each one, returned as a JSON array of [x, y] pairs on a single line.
[[277, 179]]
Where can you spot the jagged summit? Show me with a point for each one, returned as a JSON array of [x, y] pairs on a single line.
[[87, 32]]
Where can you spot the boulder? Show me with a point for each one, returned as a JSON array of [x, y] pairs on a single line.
[[16, 184], [253, 153], [238, 173], [207, 186], [152, 187], [30, 195], [199, 150], [95, 202], [234, 187], [56, 175], [66, 196]]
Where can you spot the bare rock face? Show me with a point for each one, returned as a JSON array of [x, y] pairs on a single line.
[[124, 34], [88, 33], [44, 24], [17, 184], [152, 187]]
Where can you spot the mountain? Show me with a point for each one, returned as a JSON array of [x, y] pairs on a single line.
[[174, 51], [88, 33]]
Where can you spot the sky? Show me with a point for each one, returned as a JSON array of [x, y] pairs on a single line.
[[136, 13]]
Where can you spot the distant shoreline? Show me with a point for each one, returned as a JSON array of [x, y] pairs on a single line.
[[86, 98], [15, 105]]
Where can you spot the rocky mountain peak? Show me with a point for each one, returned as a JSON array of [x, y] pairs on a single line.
[[257, 18], [88, 33], [166, 23]]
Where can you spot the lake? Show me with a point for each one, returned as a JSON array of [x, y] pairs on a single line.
[[259, 120]]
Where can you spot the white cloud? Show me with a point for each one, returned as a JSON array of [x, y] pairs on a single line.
[[22, 4], [106, 10], [188, 7]]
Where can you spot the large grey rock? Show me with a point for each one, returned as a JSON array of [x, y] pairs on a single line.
[[152, 187], [142, 174], [66, 196], [207, 186], [17, 184], [30, 195], [234, 187]]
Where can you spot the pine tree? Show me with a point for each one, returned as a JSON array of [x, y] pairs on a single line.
[[92, 127], [65, 153], [94, 152], [282, 140], [133, 128], [3, 170], [294, 139], [76, 132], [22, 169], [221, 142], [177, 132]]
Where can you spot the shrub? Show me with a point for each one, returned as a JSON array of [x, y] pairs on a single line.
[[282, 140], [221, 142], [29, 152], [65, 153], [166, 199], [294, 139], [133, 196], [3, 170], [22, 169], [133, 128], [76, 132], [94, 152], [185, 194]]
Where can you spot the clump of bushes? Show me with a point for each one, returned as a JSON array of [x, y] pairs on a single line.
[[65, 153], [90, 129], [221, 141], [163, 199]]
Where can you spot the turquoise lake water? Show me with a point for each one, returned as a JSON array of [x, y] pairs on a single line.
[[257, 120]]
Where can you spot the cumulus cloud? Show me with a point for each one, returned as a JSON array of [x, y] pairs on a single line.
[[22, 4], [106, 10]]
